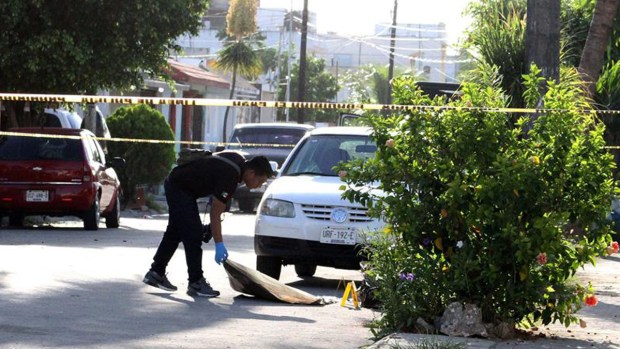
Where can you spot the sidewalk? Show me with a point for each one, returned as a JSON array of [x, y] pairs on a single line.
[[603, 320]]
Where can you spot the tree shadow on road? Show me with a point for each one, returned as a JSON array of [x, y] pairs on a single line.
[[104, 313]]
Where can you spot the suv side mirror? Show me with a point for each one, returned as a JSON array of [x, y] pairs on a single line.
[[116, 162], [274, 166]]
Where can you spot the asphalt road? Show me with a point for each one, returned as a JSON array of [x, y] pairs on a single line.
[[63, 287]]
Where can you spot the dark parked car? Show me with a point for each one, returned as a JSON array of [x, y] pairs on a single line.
[[57, 172], [273, 140]]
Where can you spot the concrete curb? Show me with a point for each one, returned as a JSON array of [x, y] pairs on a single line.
[[411, 340]]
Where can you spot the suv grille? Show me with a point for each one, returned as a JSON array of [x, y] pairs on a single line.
[[323, 213]]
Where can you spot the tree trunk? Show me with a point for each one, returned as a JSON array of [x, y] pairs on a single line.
[[10, 110], [593, 54], [542, 44], [14, 112], [232, 93], [542, 37]]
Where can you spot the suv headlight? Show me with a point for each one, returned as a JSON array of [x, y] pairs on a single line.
[[278, 208]]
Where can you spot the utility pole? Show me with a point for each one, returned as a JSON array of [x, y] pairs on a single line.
[[288, 61], [302, 64], [392, 45]]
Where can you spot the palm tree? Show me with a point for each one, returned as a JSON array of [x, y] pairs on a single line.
[[593, 57], [497, 36], [238, 55]]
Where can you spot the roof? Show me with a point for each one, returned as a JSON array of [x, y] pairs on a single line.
[[197, 76], [341, 130], [288, 125], [242, 86], [433, 89], [52, 130]]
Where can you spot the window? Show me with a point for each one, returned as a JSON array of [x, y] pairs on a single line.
[[94, 152], [37, 148], [51, 120], [255, 137], [321, 153]]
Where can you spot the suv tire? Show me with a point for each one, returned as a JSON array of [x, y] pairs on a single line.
[[112, 219], [305, 270], [16, 220], [91, 217], [270, 266]]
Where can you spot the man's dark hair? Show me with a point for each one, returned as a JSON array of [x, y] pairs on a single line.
[[260, 165]]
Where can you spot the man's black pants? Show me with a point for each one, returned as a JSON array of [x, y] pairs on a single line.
[[184, 225]]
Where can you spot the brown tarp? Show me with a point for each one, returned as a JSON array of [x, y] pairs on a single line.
[[249, 281]]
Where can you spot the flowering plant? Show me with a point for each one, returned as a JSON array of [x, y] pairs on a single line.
[[590, 300], [542, 258], [484, 208]]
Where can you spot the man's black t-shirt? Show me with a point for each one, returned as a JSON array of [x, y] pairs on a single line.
[[209, 176]]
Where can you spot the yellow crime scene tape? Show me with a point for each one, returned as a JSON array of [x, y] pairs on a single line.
[[88, 99], [211, 102]]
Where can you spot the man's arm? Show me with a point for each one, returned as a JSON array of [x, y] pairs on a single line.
[[217, 209]]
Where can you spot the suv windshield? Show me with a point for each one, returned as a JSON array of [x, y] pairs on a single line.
[[319, 154], [34, 148]]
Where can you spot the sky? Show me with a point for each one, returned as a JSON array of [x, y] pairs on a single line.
[[358, 17]]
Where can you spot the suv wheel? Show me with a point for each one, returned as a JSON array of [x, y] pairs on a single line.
[[16, 220], [305, 270], [112, 219], [91, 217], [270, 266]]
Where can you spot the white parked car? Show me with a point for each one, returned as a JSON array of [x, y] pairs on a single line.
[[302, 219]]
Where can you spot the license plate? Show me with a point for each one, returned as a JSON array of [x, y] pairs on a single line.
[[338, 235], [37, 195]]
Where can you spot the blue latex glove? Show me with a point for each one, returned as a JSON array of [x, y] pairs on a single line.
[[221, 254]]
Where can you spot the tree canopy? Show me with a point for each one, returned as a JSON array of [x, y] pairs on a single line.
[[241, 18], [65, 47], [320, 86]]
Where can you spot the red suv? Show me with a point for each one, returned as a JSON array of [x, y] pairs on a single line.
[[57, 172]]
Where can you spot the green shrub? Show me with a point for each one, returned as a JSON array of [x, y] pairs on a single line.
[[481, 211], [147, 163]]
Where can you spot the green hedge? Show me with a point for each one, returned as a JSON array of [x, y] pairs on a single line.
[[147, 163]]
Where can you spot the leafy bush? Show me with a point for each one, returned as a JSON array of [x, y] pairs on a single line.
[[480, 210], [147, 163]]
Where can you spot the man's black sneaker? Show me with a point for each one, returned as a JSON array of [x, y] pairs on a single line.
[[154, 279], [201, 288]]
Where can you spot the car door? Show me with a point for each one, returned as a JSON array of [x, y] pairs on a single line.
[[106, 177]]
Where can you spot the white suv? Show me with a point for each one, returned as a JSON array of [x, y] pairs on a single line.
[[61, 118], [302, 218]]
